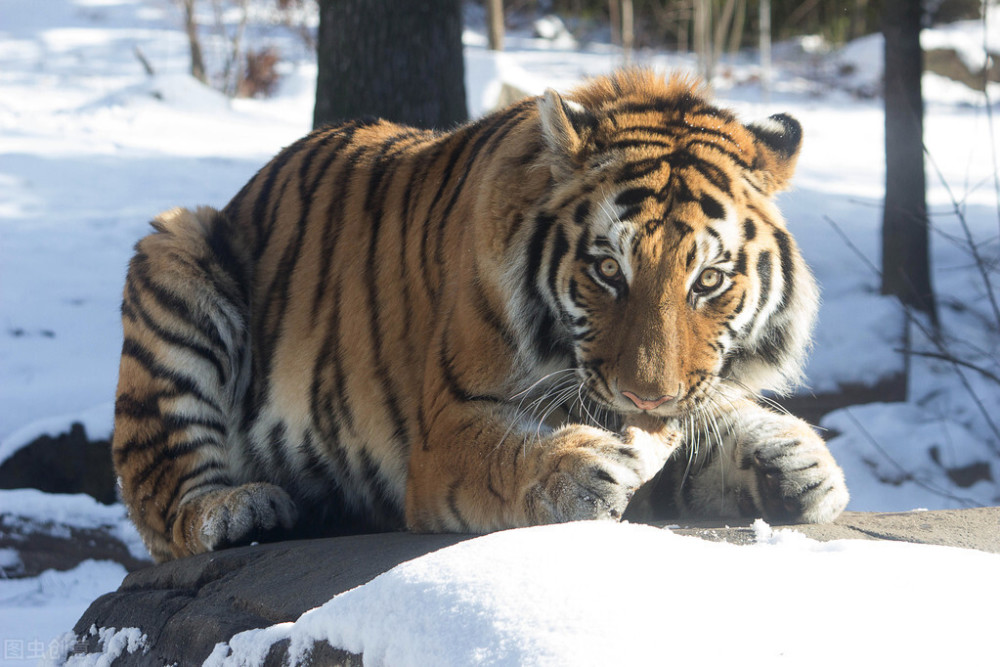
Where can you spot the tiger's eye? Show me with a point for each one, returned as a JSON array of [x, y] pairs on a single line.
[[708, 280], [609, 268]]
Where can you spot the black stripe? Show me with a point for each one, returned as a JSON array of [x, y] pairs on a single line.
[[170, 454], [197, 471], [315, 466], [122, 452], [446, 362], [536, 247], [176, 422], [740, 266], [764, 276], [127, 405], [183, 384], [451, 498], [541, 320], [225, 256], [633, 197], [170, 302], [331, 356], [495, 320], [270, 174], [425, 264], [682, 227], [211, 483], [560, 248], [732, 155], [333, 222], [711, 207], [787, 268], [176, 339], [497, 128], [382, 172]]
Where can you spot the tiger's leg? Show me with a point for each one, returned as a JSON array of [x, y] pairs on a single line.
[[476, 472], [184, 370], [768, 464]]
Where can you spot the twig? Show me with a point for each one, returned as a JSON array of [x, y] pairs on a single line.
[[850, 244], [931, 336], [989, 106], [953, 359], [968, 502], [973, 248], [142, 59]]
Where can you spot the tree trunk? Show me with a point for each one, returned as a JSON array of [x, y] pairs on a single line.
[[628, 29], [906, 271], [765, 51], [615, 19], [191, 27], [702, 38], [494, 12], [401, 61]]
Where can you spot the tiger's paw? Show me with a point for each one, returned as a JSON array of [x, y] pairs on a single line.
[[796, 478], [592, 474], [245, 514]]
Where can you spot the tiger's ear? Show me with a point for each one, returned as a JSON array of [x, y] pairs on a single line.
[[566, 126], [779, 139]]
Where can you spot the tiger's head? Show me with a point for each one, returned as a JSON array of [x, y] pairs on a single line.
[[664, 265]]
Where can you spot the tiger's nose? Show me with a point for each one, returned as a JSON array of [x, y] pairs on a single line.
[[646, 404]]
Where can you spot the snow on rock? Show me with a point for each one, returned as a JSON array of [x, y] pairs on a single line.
[[595, 593], [35, 610], [113, 644], [54, 513], [837, 359], [858, 66], [97, 422], [908, 449]]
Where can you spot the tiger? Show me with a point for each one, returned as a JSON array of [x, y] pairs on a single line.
[[523, 320]]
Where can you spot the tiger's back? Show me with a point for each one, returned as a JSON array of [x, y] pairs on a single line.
[[342, 348]]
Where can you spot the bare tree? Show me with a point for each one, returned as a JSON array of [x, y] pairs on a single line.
[[398, 60], [494, 16], [615, 20], [191, 28], [906, 270], [628, 29], [703, 38], [765, 50]]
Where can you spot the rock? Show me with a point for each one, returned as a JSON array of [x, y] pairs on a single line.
[[43, 547], [67, 463], [977, 528], [186, 607], [949, 64]]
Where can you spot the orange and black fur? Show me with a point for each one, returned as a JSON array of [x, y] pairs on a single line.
[[386, 327]]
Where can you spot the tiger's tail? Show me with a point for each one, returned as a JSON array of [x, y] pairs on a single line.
[[184, 374]]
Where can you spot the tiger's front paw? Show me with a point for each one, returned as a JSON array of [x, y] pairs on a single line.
[[245, 514], [592, 474], [796, 478]]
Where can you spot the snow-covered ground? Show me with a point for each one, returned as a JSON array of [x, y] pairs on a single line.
[[91, 148]]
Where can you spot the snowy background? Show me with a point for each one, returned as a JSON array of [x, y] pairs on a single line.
[[91, 148]]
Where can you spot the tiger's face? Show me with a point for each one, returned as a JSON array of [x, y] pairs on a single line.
[[677, 279]]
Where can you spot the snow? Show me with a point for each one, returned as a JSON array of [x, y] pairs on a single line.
[[858, 65], [598, 593], [35, 612], [93, 148], [55, 513], [114, 643]]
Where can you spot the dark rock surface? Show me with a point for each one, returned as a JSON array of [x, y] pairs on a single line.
[[185, 607], [47, 546], [67, 463]]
